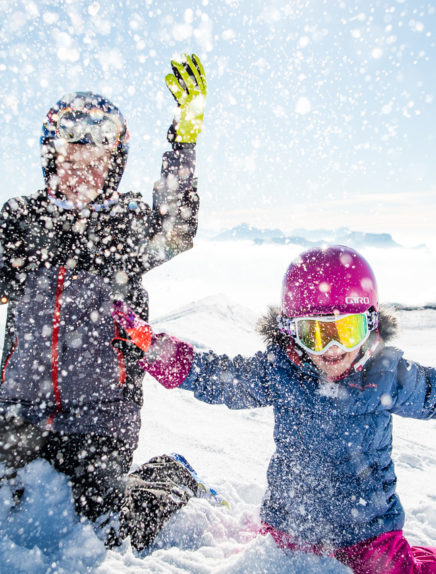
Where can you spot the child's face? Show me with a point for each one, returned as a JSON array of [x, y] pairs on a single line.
[[81, 171], [334, 362]]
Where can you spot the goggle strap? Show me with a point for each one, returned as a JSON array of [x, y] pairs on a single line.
[[372, 318], [287, 325]]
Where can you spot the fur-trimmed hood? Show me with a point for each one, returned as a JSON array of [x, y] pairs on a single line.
[[269, 329]]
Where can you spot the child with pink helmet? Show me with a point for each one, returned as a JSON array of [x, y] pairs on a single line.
[[334, 384]]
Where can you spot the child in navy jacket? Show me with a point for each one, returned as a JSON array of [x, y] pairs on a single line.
[[333, 385]]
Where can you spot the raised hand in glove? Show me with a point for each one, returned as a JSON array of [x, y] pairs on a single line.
[[166, 358], [188, 85]]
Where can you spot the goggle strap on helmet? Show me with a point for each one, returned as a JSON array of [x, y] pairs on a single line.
[[372, 316], [287, 325]]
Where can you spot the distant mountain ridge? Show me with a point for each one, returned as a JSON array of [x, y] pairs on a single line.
[[310, 238]]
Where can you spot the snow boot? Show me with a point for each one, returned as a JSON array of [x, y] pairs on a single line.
[[203, 490]]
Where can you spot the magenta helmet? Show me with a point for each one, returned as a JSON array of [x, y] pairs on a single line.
[[324, 281]]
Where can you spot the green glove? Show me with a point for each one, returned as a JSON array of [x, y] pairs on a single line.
[[189, 88]]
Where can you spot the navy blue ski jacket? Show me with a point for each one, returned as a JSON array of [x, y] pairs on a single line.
[[331, 480], [60, 271]]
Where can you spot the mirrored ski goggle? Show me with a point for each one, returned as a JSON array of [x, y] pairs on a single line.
[[90, 127], [317, 334]]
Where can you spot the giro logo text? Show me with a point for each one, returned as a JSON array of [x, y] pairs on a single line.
[[356, 300]]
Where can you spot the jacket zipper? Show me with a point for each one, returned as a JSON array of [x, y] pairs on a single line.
[[55, 343], [120, 358], [8, 358]]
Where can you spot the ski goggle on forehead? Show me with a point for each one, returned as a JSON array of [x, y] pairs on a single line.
[[317, 334], [92, 126]]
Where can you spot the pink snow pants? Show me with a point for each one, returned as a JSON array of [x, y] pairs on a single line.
[[388, 553]]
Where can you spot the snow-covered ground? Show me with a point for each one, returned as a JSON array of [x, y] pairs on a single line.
[[213, 296]]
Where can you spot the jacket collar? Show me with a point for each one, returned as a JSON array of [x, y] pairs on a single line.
[[69, 206]]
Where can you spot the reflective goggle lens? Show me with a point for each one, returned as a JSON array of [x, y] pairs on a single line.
[[315, 334], [93, 127]]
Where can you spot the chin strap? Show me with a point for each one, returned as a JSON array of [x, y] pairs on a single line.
[[368, 352], [294, 353]]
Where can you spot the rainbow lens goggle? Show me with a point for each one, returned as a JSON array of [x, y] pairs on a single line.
[[92, 126], [317, 334]]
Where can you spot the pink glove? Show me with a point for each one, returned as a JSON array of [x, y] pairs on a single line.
[[166, 358]]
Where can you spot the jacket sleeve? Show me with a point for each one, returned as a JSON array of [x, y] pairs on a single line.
[[175, 207], [414, 394], [238, 383]]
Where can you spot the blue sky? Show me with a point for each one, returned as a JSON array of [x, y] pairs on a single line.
[[319, 114]]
